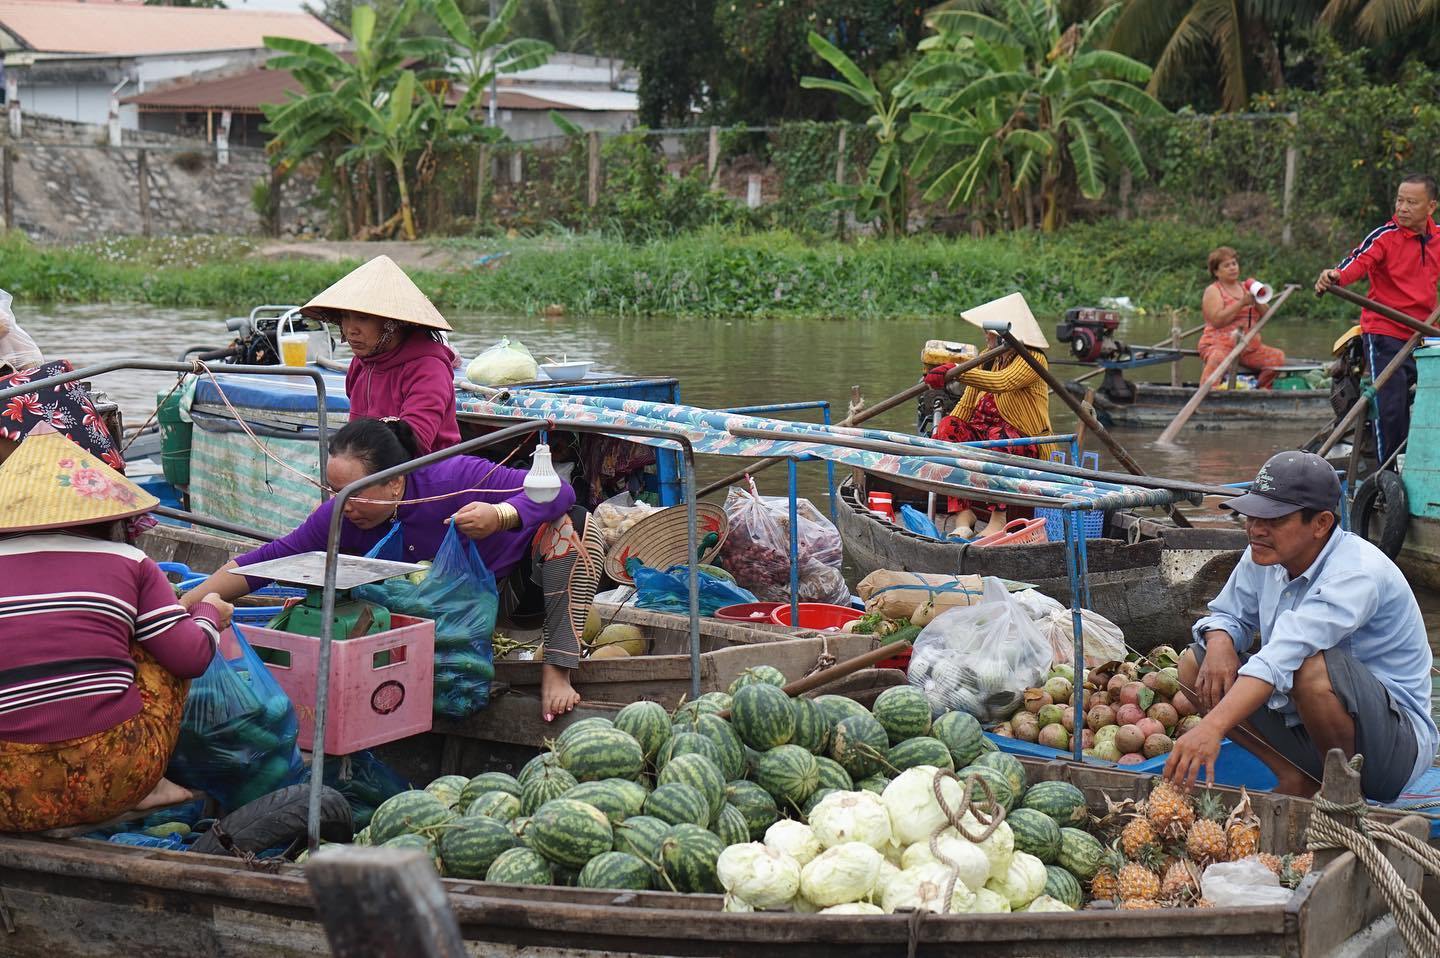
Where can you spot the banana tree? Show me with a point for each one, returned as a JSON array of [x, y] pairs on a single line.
[[391, 132], [482, 55]]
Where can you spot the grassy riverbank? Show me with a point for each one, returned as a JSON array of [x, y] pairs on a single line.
[[1160, 265]]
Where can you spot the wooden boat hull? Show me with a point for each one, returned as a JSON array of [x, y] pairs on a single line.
[[1155, 405], [1154, 589]]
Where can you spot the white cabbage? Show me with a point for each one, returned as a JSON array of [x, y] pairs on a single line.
[[841, 874], [967, 858], [882, 878], [736, 904], [794, 839], [988, 903], [893, 852], [922, 888], [999, 847], [1024, 881], [910, 800], [842, 817], [801, 906], [760, 875], [853, 908], [1046, 903]]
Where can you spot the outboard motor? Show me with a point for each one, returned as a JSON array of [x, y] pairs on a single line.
[[1091, 333]]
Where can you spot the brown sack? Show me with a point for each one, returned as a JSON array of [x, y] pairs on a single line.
[[901, 595]]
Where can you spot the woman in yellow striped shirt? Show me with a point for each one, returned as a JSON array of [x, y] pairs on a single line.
[[1004, 399]]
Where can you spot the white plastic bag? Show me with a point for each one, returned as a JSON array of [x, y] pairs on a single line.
[[980, 659], [16, 347], [503, 364], [1036, 603], [617, 514], [757, 548], [1104, 642], [1246, 882]]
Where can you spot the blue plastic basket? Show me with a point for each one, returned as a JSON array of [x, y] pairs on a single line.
[[256, 614], [1235, 766], [1091, 523]]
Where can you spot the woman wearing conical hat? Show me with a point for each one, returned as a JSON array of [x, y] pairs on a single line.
[[402, 367], [1005, 399], [96, 648]]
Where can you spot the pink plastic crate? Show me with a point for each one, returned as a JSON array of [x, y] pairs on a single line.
[[369, 704], [1017, 532]]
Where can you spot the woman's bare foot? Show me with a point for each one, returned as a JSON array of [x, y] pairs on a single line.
[[557, 696], [164, 794], [996, 523]]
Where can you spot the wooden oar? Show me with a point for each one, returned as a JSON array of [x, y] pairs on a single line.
[[1217, 374], [839, 670], [1176, 340], [870, 412]]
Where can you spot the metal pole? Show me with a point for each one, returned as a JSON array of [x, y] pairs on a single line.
[[692, 572], [1077, 741], [830, 470], [794, 550]]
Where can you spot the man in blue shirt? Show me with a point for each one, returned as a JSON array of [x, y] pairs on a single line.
[[1342, 659]]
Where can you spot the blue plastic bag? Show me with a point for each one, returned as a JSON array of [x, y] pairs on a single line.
[[238, 732], [364, 780], [669, 591], [918, 522], [460, 595]]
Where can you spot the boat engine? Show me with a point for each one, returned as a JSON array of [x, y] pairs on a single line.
[[1090, 333], [257, 340]]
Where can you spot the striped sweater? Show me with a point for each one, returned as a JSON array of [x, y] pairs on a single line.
[[69, 607], [1021, 396]]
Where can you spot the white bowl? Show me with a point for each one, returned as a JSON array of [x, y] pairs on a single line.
[[566, 371]]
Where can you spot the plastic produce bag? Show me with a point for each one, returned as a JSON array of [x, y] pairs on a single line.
[[617, 514], [459, 593], [364, 780], [1246, 882], [918, 522], [981, 658], [669, 591], [1104, 642], [1037, 604], [757, 548], [503, 364], [238, 730]]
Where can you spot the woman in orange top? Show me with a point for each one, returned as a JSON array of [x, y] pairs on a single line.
[[1229, 310]]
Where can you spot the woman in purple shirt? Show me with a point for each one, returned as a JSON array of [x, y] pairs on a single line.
[[485, 500]]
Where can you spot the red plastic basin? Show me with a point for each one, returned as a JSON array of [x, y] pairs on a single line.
[[816, 615], [747, 612]]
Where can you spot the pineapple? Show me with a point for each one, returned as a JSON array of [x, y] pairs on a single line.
[[1301, 863], [1170, 811], [1136, 880], [1273, 862], [1294, 868], [1242, 830], [1205, 840], [1204, 903], [1105, 883], [1139, 904], [1180, 881], [1137, 835]]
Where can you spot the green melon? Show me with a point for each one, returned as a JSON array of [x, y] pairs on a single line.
[[615, 870], [1060, 800], [731, 751], [1080, 853], [548, 784], [838, 708], [1009, 766], [1035, 833], [570, 833], [766, 674], [580, 725], [535, 766], [488, 782], [812, 726], [832, 775], [710, 703], [755, 804], [520, 828], [421, 843], [687, 743], [920, 750], [362, 837], [702, 773], [1063, 886], [498, 805], [859, 744], [519, 866], [600, 752], [613, 796], [904, 711], [731, 826], [469, 847], [640, 836], [678, 802], [762, 716], [873, 783], [647, 723], [788, 772], [687, 858], [447, 788], [999, 784], [962, 735], [408, 812]]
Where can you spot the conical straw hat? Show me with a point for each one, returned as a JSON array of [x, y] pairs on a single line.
[[49, 483], [1010, 309], [660, 539], [379, 288]]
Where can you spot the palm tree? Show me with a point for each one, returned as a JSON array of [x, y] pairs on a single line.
[[1380, 20]]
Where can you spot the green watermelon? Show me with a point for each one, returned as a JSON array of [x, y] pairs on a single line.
[[578, 726], [677, 802], [520, 828], [687, 857], [421, 843], [710, 703], [832, 775], [447, 788], [1080, 853], [788, 772], [1063, 886], [543, 786], [766, 674], [362, 837], [601, 752], [859, 744], [647, 723], [962, 735], [535, 766], [873, 783], [408, 812], [687, 743], [838, 707], [702, 773], [731, 826], [468, 849], [730, 750], [640, 836], [1035, 833], [1009, 766], [812, 726], [615, 870], [762, 716], [816, 797], [1060, 800], [920, 750], [904, 711], [755, 804], [608, 796], [519, 866], [488, 782], [999, 784], [499, 805], [570, 833]]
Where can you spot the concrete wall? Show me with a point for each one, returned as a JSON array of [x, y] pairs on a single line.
[[523, 125]]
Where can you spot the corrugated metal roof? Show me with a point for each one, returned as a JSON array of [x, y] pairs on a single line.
[[581, 98], [129, 29]]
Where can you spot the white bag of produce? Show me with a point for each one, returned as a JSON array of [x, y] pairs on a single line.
[[1104, 642], [617, 514], [982, 658], [1246, 882], [757, 548], [503, 364], [1036, 603]]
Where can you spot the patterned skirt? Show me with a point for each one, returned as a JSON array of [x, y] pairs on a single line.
[[99, 776], [985, 423]]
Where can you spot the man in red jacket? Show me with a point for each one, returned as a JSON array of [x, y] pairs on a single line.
[[1402, 261]]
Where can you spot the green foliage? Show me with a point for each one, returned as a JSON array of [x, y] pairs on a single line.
[[673, 43]]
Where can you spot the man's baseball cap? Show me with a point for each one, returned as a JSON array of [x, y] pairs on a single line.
[[1289, 482]]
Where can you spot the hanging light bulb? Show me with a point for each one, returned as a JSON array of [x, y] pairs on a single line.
[[541, 482]]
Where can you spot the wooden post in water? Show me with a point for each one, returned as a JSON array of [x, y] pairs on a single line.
[[8, 176], [1176, 336], [712, 157], [1292, 159], [142, 183], [592, 194], [380, 902], [840, 181]]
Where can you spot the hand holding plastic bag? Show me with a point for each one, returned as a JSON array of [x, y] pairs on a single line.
[[980, 658]]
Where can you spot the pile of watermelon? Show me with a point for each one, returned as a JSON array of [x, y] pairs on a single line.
[[650, 800]]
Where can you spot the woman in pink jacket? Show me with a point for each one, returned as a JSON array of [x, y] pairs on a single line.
[[402, 367]]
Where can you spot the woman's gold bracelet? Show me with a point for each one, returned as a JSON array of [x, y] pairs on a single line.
[[509, 516]]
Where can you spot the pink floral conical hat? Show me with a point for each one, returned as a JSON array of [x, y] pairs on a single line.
[[51, 483]]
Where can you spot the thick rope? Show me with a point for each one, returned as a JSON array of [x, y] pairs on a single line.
[[825, 659], [1418, 927], [989, 816]]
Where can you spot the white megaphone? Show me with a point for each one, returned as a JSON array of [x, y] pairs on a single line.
[[1262, 293]]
